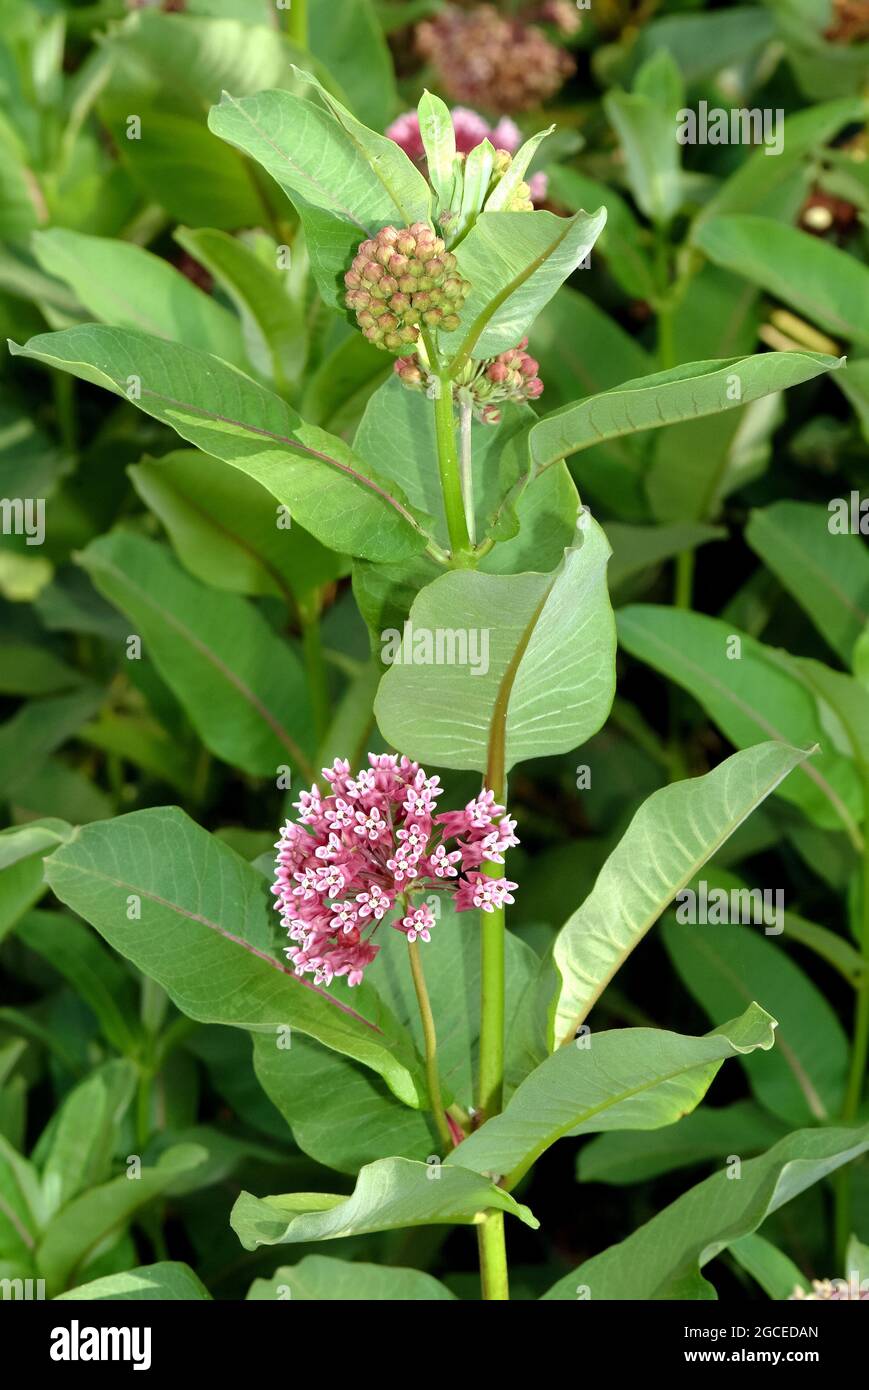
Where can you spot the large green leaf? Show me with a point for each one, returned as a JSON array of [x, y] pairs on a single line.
[[637, 548], [36, 729], [630, 1078], [749, 695], [166, 1281], [390, 1194], [181, 168], [345, 180], [349, 41], [515, 262], [697, 464], [97, 977], [84, 1223], [776, 1273], [21, 841], [827, 285], [21, 1204], [319, 1279], [342, 1115], [704, 1136], [84, 1133], [272, 319], [683, 393], [803, 1080], [31, 669], [169, 68], [646, 130], [206, 933], [191, 57], [674, 1246], [621, 242], [671, 836], [777, 187], [225, 413], [242, 686], [224, 528], [128, 287], [21, 885], [827, 574], [549, 680], [843, 703]]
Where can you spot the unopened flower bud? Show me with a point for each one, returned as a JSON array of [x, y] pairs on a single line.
[[511, 376], [400, 279]]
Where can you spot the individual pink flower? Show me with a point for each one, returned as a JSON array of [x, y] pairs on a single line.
[[365, 851], [471, 130]]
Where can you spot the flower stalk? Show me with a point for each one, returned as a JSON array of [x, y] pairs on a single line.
[[431, 1046], [450, 476]]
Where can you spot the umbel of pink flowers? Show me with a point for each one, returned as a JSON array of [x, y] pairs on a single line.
[[471, 130], [375, 843]]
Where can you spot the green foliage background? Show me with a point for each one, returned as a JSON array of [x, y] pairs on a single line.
[[181, 190]]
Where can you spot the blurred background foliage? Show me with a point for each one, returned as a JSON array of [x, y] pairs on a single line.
[[118, 205]]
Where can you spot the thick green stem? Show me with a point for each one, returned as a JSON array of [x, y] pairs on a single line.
[[450, 475], [666, 339], [431, 1046], [297, 22], [493, 1257], [466, 467], [491, 1076], [65, 411], [490, 1086], [683, 596], [315, 666]]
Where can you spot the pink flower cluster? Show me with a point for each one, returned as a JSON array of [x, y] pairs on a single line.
[[471, 130], [371, 846]]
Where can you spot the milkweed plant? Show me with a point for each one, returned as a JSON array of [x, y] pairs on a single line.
[[414, 1044]]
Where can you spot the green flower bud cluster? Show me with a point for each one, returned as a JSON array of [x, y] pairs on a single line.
[[401, 280]]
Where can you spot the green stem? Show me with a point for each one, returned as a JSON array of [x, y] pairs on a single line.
[[666, 339], [684, 579], [315, 666], [490, 1092], [493, 1257], [64, 406], [491, 1075], [448, 466], [466, 467], [297, 22], [143, 1106], [431, 1046], [664, 302]]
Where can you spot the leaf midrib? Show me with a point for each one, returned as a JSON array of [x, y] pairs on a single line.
[[762, 723], [697, 862], [230, 676], [613, 1100], [234, 940], [803, 1080]]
